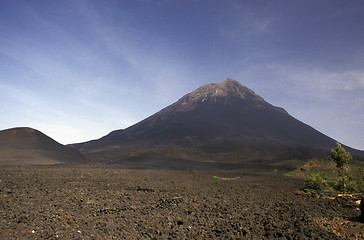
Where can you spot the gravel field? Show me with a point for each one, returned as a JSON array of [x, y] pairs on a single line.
[[85, 202]]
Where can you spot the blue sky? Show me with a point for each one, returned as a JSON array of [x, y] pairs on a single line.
[[78, 69]]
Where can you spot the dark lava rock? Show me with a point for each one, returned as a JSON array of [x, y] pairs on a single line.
[[104, 203]]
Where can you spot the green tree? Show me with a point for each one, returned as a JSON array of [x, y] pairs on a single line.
[[342, 158]]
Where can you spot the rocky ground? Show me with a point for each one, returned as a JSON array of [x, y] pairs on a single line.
[[83, 202]]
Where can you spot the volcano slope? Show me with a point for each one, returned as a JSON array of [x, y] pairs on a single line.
[[221, 122], [28, 146], [54, 202]]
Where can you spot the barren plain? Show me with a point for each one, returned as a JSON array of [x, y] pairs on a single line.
[[97, 202]]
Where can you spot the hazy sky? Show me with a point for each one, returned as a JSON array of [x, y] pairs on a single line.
[[77, 70]]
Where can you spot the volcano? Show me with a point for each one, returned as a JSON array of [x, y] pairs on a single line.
[[28, 146], [218, 122]]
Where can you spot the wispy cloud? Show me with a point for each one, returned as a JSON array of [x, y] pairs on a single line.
[[243, 22], [19, 94], [248, 28], [323, 80], [153, 64], [318, 83]]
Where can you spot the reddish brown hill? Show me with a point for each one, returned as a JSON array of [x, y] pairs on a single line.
[[219, 122], [27, 146]]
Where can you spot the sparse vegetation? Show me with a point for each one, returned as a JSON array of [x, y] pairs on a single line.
[[292, 173], [361, 186], [315, 182], [335, 174], [226, 179], [344, 184]]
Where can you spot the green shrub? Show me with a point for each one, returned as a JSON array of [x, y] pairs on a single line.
[[315, 182], [352, 186], [345, 185], [361, 186]]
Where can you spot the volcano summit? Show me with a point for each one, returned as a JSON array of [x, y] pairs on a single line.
[[218, 122]]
